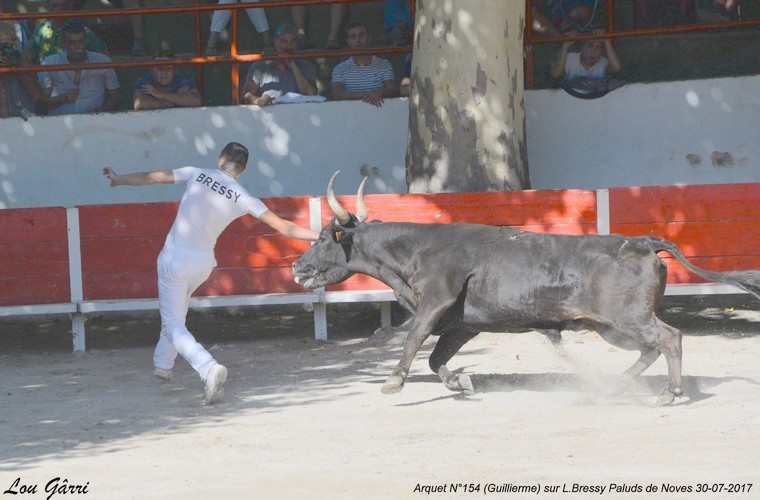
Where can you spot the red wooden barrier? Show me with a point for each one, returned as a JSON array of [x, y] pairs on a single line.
[[34, 257], [716, 226], [120, 244]]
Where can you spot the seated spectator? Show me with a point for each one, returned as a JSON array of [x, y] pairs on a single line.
[[18, 92], [555, 17], [268, 80], [78, 90], [590, 62], [164, 88], [363, 77], [220, 19], [398, 27], [47, 37], [21, 28], [337, 16]]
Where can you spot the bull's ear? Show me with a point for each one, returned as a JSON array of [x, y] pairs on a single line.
[[341, 236]]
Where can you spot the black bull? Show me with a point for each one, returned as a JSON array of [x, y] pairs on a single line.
[[460, 279]]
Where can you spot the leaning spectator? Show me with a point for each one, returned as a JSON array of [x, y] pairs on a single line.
[[19, 91], [164, 88], [78, 90], [363, 77], [268, 80], [590, 62], [47, 37]]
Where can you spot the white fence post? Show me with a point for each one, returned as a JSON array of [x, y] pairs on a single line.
[[75, 277], [602, 211], [320, 308]]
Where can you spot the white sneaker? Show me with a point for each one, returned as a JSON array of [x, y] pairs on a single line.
[[215, 384], [163, 374]]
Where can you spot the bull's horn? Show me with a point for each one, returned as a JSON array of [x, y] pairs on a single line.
[[341, 214], [361, 208]]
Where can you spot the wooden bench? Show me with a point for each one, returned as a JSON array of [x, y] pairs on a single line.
[[99, 259]]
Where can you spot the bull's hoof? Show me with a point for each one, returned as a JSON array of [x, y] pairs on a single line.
[[466, 385], [393, 385], [666, 398]]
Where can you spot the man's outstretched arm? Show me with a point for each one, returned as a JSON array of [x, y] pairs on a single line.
[[288, 228], [140, 178]]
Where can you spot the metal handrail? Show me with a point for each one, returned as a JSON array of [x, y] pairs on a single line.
[[531, 39], [199, 60]]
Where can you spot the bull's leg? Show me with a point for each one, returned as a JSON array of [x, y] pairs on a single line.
[[427, 317], [448, 345], [658, 338], [670, 347]]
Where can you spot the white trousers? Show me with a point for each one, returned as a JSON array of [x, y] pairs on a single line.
[[180, 272], [221, 17]]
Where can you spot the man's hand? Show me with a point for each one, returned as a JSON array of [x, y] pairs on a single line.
[[111, 175], [374, 97]]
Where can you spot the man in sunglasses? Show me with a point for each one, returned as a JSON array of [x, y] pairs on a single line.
[[164, 88]]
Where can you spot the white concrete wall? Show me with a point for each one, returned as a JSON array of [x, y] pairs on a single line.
[[692, 132], [294, 149], [695, 132]]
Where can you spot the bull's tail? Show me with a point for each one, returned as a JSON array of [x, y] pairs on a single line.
[[746, 280]]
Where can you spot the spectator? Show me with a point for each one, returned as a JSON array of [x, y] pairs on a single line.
[[220, 19], [164, 88], [268, 80], [47, 38], [78, 90], [18, 92], [588, 63], [21, 28], [363, 77], [398, 22], [337, 16], [554, 17]]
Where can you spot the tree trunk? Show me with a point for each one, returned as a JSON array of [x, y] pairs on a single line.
[[466, 109]]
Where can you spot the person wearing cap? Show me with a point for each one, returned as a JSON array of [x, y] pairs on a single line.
[[77, 91], [163, 87], [268, 80], [590, 62], [363, 77]]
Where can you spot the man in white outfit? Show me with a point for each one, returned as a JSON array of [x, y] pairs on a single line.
[[213, 199]]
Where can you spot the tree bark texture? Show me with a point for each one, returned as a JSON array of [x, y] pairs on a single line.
[[466, 109]]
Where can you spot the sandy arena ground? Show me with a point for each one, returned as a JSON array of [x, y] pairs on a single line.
[[306, 419]]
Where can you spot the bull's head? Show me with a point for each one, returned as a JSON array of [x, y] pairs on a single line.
[[327, 261]]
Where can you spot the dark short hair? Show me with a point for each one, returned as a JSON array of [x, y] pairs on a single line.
[[283, 28], [236, 154], [73, 27], [356, 24]]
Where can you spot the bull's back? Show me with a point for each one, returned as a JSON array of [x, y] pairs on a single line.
[[540, 280]]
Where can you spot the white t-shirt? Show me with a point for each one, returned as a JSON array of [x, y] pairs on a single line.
[[574, 68], [212, 200]]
